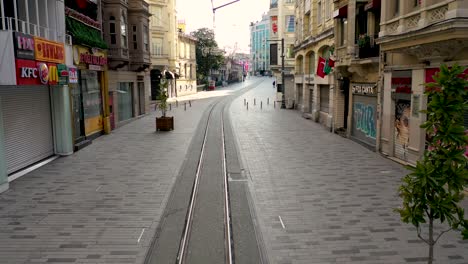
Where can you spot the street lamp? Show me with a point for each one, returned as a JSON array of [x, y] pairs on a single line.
[[283, 90]]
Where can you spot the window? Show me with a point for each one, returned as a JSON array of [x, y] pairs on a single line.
[[289, 1], [290, 23], [397, 8], [343, 23], [185, 71], [125, 101], [191, 72], [157, 47], [134, 37], [112, 30], [156, 18], [123, 30], [145, 37], [327, 10], [274, 54], [306, 25], [311, 61], [319, 13]]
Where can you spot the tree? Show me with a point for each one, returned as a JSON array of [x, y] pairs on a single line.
[[433, 189], [208, 55]]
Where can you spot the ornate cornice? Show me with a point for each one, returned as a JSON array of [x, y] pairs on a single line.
[[436, 51]]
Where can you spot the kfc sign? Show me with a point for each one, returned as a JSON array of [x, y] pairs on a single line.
[[29, 72], [24, 46]]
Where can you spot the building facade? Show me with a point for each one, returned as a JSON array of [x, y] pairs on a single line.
[[283, 27], [259, 48], [164, 38], [187, 65], [315, 92], [126, 31], [35, 109], [357, 74], [415, 38]]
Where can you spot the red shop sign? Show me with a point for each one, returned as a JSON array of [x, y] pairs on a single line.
[[30, 72]]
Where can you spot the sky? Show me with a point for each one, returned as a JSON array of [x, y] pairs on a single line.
[[231, 22]]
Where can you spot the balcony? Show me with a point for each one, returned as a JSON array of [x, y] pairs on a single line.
[[118, 57], [368, 52], [13, 24], [139, 61]]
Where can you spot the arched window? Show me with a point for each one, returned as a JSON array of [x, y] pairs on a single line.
[[113, 39], [123, 29]]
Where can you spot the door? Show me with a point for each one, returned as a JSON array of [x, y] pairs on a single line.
[[78, 120], [27, 125], [141, 98]]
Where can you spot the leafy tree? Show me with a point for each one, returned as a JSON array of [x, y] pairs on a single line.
[[434, 188], [208, 55]]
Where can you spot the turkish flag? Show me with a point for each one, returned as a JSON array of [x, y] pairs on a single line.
[[321, 67]]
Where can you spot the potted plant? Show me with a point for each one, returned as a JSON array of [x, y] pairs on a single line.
[[164, 123], [364, 45]]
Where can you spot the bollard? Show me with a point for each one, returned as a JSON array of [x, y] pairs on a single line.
[[254, 102], [261, 104], [247, 105], [274, 104], [190, 103], [170, 107], [244, 101], [268, 101], [185, 106], [177, 103]]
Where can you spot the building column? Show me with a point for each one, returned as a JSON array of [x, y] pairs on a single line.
[[387, 129], [61, 114], [3, 170], [417, 135], [351, 29]]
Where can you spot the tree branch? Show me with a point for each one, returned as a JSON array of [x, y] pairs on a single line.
[[443, 232], [420, 237]]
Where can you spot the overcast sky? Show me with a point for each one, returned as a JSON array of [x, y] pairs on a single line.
[[232, 21]]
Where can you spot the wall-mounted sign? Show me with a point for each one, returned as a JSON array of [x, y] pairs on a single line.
[[24, 46], [401, 85], [30, 72], [49, 51], [72, 75], [87, 56], [82, 18], [364, 88], [62, 71]]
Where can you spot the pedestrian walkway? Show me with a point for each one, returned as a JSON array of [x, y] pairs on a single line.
[[321, 198], [103, 203]]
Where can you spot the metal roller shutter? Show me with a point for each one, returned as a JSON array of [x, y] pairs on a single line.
[[27, 125], [364, 119]]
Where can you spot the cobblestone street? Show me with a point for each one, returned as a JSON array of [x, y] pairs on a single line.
[[321, 198]]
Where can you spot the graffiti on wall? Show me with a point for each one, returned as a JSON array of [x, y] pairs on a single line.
[[364, 118], [402, 130]]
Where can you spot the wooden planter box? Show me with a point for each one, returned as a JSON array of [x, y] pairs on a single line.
[[165, 123]]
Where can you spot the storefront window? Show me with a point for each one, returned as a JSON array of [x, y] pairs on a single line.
[[125, 99], [92, 101]]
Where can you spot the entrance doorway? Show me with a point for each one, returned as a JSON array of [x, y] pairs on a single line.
[[141, 98]]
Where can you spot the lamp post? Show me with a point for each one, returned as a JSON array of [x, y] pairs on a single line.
[[283, 90]]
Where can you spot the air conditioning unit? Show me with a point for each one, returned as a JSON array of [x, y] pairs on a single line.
[[68, 40]]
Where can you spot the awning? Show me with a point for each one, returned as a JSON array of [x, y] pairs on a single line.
[[83, 34], [342, 12], [169, 75]]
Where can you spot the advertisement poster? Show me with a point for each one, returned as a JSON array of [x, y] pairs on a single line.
[[402, 130]]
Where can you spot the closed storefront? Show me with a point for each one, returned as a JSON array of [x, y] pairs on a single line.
[[28, 125], [324, 98], [311, 98], [364, 117], [401, 95], [125, 101]]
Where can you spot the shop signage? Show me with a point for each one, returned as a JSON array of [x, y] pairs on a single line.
[[82, 55], [95, 67], [401, 85], [309, 78], [24, 46], [30, 72], [82, 18], [72, 75], [62, 71], [49, 51], [364, 88]]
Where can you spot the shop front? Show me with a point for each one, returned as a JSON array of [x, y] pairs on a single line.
[[31, 109], [401, 95], [87, 87], [364, 117]]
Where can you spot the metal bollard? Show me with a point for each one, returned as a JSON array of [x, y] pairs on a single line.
[[244, 101], [185, 106], [268, 101], [254, 102], [274, 104], [177, 103], [190, 103], [247, 105], [261, 104], [170, 107]]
